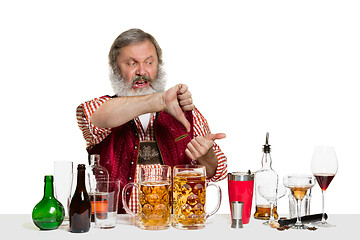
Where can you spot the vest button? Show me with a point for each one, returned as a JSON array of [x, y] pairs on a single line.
[[135, 147], [132, 163], [130, 178]]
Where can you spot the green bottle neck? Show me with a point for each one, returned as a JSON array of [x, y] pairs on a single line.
[[49, 187]]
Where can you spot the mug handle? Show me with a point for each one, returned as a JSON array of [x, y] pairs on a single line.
[[219, 200], [123, 198]]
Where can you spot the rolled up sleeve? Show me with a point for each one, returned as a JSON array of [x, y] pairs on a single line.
[[92, 134]]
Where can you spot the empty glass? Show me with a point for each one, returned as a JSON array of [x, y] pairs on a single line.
[[63, 180]]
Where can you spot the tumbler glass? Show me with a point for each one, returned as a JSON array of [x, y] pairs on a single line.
[[106, 199], [63, 181]]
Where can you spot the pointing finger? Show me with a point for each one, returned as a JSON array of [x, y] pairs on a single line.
[[215, 136]]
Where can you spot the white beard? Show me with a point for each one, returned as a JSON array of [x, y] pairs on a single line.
[[121, 89]]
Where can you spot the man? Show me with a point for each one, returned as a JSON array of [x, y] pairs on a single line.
[[143, 124]]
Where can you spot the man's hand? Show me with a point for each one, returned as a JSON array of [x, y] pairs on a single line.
[[199, 147], [178, 99], [184, 97]]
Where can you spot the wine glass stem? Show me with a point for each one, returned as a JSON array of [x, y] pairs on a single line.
[[271, 212], [323, 221], [298, 220]]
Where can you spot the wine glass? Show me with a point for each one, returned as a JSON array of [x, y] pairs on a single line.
[[324, 166], [299, 184], [271, 192]]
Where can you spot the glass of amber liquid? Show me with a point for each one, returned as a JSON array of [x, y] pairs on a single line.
[[272, 192], [324, 166], [189, 197], [299, 185], [154, 187]]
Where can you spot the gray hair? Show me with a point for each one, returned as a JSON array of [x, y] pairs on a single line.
[[126, 38]]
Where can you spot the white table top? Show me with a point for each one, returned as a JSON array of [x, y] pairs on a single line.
[[21, 225]]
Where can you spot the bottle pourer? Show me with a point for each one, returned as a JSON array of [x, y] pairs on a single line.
[[267, 146]]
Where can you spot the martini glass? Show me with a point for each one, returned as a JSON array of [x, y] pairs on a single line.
[[324, 166], [299, 185], [272, 193]]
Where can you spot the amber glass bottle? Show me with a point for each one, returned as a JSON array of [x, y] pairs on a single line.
[[80, 206]]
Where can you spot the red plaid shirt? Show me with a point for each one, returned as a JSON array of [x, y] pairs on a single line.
[[94, 135]]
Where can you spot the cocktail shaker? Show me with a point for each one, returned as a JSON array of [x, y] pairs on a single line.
[[240, 189]]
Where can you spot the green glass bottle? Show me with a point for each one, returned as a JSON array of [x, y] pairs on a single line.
[[49, 213]]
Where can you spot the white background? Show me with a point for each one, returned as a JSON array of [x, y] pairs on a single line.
[[286, 67]]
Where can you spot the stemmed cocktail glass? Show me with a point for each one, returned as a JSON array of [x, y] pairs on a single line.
[[299, 185], [272, 192], [324, 166]]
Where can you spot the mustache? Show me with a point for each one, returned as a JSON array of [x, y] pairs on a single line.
[[144, 77], [123, 87]]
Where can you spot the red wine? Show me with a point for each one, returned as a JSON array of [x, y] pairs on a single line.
[[324, 179]]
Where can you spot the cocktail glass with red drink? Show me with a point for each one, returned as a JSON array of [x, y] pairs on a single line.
[[324, 166]]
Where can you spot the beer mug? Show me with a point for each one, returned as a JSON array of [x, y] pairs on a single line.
[[189, 197], [154, 186]]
